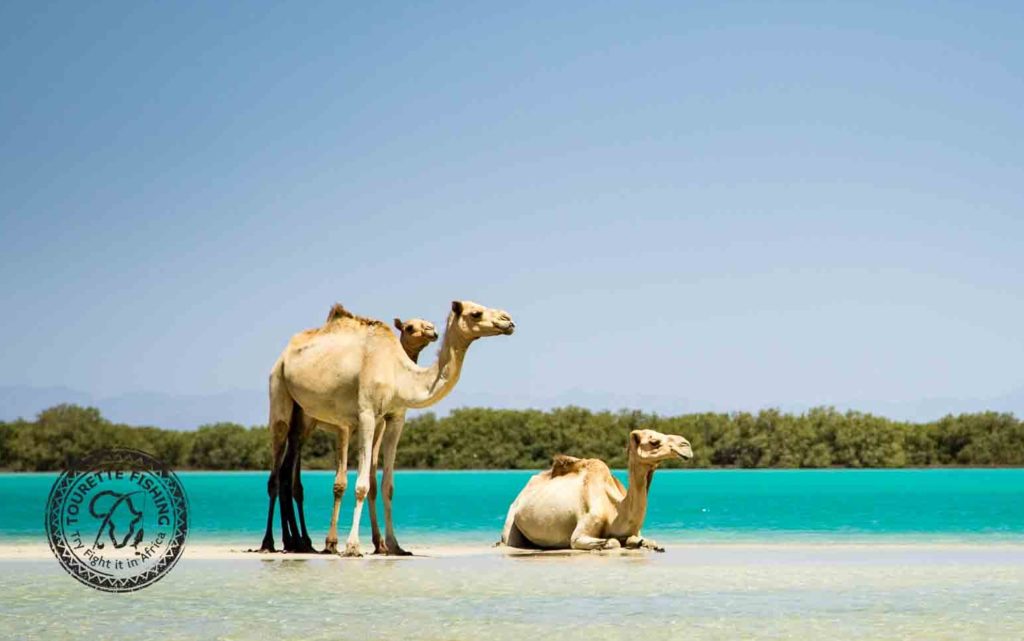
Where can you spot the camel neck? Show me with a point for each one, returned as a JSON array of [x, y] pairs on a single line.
[[438, 380], [413, 351], [633, 508]]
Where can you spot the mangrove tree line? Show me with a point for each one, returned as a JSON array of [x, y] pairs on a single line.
[[478, 438]]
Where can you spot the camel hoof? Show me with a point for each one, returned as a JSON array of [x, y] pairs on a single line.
[[352, 550], [651, 545], [612, 544], [300, 548], [267, 545], [331, 547], [392, 548], [379, 547]]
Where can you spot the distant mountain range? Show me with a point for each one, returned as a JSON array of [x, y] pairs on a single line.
[[249, 407]]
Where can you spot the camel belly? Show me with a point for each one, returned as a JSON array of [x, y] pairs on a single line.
[[324, 384], [549, 515]]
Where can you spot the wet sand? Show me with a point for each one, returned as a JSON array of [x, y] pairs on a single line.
[[693, 591]]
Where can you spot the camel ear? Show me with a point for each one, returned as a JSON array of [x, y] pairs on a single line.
[[457, 307], [398, 324], [635, 436]]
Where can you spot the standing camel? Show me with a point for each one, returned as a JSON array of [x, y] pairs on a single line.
[[414, 335], [578, 504], [353, 371]]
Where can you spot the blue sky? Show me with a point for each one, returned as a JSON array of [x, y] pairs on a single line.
[[729, 204]]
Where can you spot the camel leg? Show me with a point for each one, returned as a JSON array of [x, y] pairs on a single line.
[[289, 527], [367, 425], [371, 498], [582, 539], [278, 441], [281, 409], [392, 435], [371, 503], [303, 543], [637, 542], [340, 483]]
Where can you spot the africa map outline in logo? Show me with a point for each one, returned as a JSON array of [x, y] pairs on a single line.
[[117, 520]]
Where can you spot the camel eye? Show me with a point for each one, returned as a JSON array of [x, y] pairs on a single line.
[[655, 443], [477, 314], [408, 328]]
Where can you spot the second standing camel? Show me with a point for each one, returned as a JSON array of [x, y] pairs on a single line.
[[414, 335], [354, 371]]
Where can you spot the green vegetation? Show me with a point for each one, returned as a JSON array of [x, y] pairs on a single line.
[[499, 439]]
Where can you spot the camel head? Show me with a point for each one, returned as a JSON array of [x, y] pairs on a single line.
[[650, 447], [416, 334], [472, 321]]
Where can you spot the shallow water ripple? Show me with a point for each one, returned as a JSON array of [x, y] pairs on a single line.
[[723, 592]]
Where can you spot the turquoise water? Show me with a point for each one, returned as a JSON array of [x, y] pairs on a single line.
[[685, 505], [920, 589]]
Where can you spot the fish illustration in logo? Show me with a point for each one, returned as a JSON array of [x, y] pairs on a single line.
[[119, 516]]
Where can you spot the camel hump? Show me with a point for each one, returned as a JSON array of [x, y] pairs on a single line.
[[338, 312], [563, 464]]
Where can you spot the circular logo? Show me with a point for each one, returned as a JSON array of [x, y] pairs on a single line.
[[117, 520]]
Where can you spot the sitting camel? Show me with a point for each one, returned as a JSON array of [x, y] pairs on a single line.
[[578, 504]]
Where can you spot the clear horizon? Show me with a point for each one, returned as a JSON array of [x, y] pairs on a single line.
[[737, 206]]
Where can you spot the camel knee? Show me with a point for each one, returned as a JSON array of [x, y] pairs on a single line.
[[339, 487], [362, 489]]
